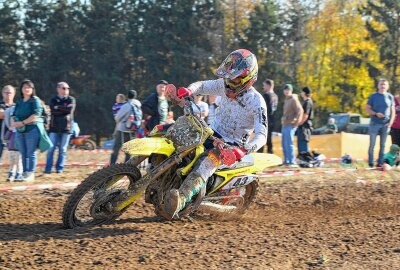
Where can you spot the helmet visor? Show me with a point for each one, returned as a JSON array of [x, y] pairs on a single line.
[[232, 67]]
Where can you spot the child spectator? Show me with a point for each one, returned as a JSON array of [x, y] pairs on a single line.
[[14, 157], [331, 127], [392, 158], [120, 100]]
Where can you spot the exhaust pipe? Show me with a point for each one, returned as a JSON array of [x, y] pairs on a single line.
[[213, 208]]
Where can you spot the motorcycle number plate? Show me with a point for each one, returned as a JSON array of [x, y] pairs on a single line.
[[239, 181]]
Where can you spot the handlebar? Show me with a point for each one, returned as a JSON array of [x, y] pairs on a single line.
[[188, 110]]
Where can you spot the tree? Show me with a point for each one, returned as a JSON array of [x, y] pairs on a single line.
[[336, 60], [383, 24], [264, 37], [58, 50], [10, 59], [235, 20], [104, 64]]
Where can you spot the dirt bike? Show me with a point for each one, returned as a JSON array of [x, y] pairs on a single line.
[[82, 142], [171, 155]]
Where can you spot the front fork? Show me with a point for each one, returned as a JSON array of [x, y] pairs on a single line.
[[140, 186]]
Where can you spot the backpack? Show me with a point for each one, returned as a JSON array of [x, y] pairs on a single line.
[[310, 160], [135, 118]]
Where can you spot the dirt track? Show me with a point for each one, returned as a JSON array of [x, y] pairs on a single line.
[[324, 222]]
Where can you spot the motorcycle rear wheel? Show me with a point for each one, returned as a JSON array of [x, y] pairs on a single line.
[[96, 194]]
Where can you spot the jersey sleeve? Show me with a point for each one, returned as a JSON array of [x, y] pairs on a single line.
[[211, 87], [260, 126]]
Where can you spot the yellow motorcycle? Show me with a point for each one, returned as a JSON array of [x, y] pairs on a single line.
[[171, 155]]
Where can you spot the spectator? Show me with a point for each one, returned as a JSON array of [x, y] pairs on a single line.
[[76, 130], [271, 99], [28, 121], [380, 107], [305, 125], [155, 107], [201, 108], [62, 108], [395, 129], [120, 100], [123, 133], [292, 115], [392, 159], [331, 127], [170, 118], [14, 157], [8, 93], [213, 103]]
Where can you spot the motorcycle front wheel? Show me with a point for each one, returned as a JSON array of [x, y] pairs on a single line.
[[92, 202]]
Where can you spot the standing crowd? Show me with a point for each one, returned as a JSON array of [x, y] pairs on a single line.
[[135, 119], [27, 123], [24, 126]]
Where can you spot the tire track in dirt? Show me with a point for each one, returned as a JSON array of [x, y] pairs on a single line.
[[318, 223]]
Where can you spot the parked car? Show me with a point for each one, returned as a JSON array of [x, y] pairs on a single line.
[[347, 122]]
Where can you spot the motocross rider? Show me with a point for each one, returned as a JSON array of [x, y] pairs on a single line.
[[242, 111]]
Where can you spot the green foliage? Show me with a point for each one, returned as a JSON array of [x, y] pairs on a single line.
[[10, 61], [383, 24], [102, 48]]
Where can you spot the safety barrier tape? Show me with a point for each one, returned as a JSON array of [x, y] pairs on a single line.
[[39, 187], [81, 164], [72, 164], [306, 172], [261, 175], [91, 151]]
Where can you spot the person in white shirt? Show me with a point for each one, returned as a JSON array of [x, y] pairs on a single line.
[[200, 107], [213, 103]]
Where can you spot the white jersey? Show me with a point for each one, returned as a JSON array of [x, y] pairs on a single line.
[[236, 120]]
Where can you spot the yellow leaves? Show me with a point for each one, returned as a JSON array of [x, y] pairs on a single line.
[[236, 16], [336, 57]]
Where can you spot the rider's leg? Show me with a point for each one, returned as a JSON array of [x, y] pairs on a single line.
[[194, 182]]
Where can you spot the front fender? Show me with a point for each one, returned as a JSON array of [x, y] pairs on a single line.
[[148, 146]]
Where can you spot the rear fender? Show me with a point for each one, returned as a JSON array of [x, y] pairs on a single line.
[[243, 176], [148, 146]]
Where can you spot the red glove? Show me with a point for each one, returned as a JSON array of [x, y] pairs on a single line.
[[176, 96], [183, 92], [230, 156]]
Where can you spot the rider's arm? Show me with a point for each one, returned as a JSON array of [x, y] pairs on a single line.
[[211, 87], [260, 128]]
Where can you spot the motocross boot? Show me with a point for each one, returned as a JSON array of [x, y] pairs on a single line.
[[176, 199]]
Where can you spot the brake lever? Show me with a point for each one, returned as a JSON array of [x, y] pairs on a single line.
[[219, 143]]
